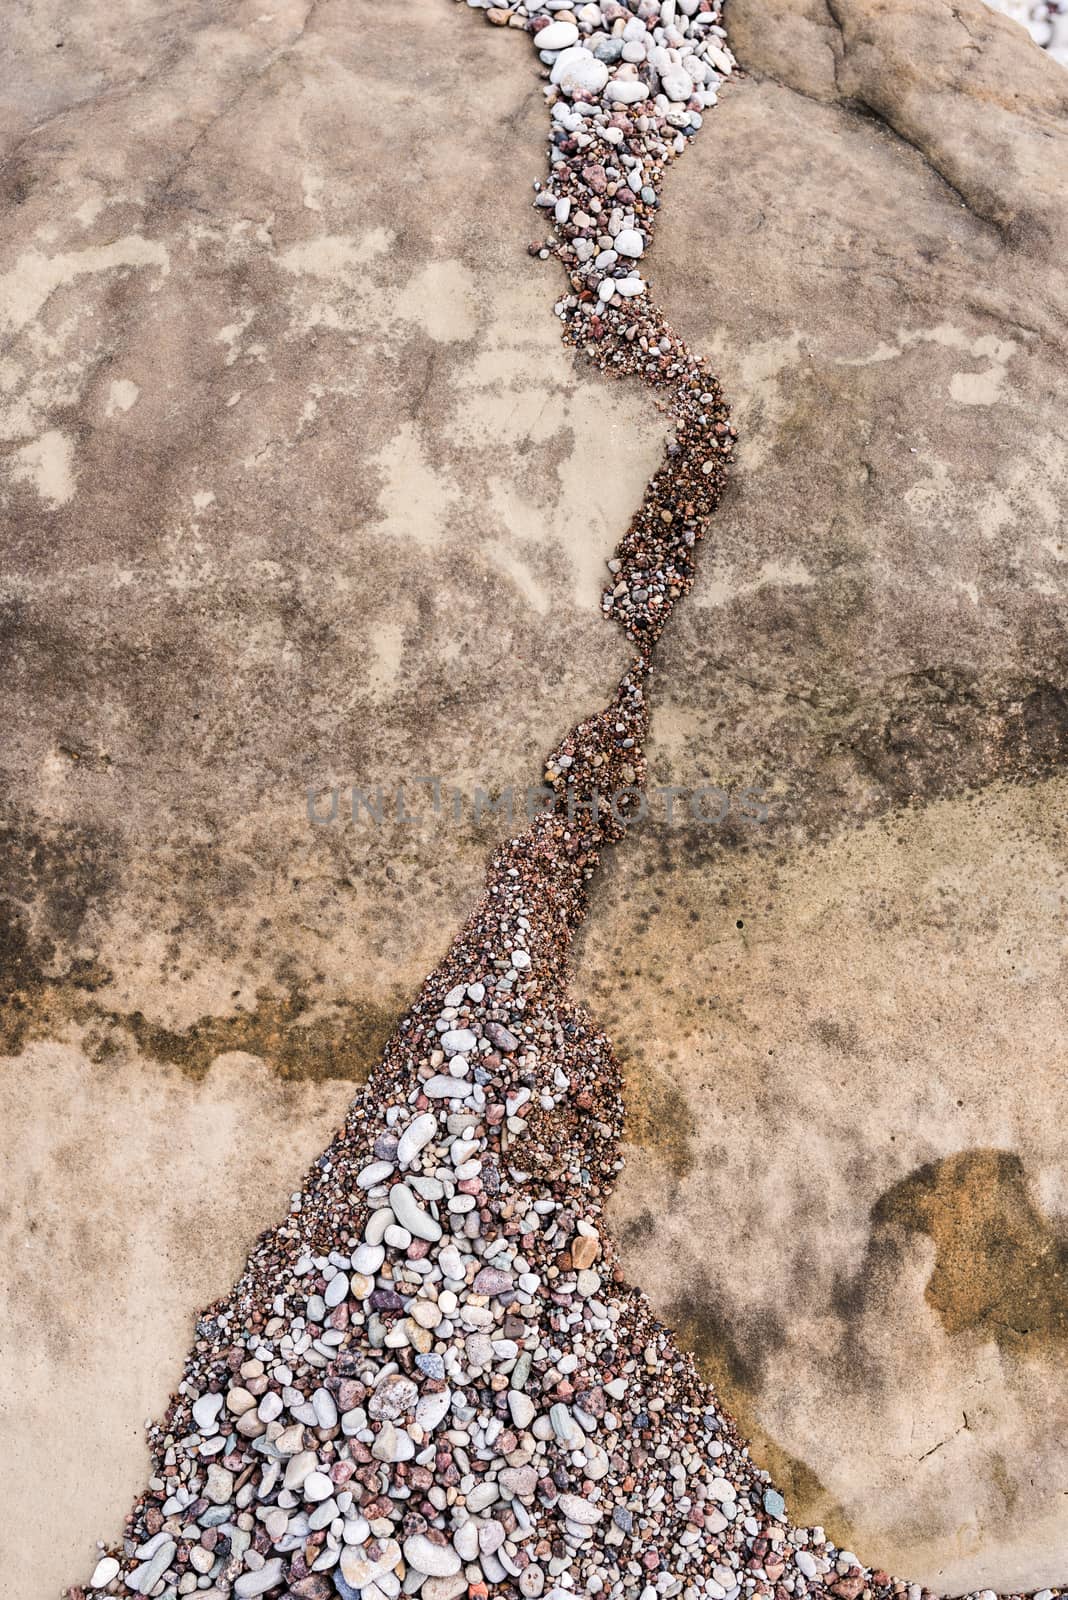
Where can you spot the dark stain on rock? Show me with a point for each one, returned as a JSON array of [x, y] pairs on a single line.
[[48, 991], [1001, 1267], [343, 1043], [737, 1362], [659, 1117], [832, 757]]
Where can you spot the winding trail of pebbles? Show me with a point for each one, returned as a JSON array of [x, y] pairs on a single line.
[[431, 1377]]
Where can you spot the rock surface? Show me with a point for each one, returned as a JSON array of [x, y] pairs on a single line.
[[858, 1005], [884, 622]]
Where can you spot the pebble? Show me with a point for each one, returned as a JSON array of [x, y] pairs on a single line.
[[364, 1564], [557, 36], [432, 1409], [219, 1485], [416, 1136], [629, 242], [518, 1481], [436, 1560], [205, 1411], [250, 1584], [444, 1588], [576, 1509], [458, 1041], [578, 71], [106, 1569], [410, 1214], [337, 1289], [522, 1408]]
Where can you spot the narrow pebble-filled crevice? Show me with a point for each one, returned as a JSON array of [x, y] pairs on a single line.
[[432, 1378]]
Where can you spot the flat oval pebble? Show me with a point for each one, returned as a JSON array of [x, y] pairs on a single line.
[[465, 1541], [205, 1410], [557, 36], [336, 1290], [362, 1564], [444, 1087], [410, 1214], [367, 1259], [249, 1584], [522, 1408], [450, 1588], [458, 1041], [578, 71], [317, 1486], [629, 242], [416, 1136], [436, 1560], [626, 91], [432, 1408], [106, 1569], [576, 1509]]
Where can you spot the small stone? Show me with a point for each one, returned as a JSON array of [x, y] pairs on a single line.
[[629, 242], [445, 1087], [337, 1289], [626, 91], [458, 1042], [393, 1444], [416, 1136], [483, 1495], [465, 1541], [584, 1251], [491, 1536], [410, 1214], [317, 1486], [367, 1259], [432, 1409], [444, 1588], [393, 1397], [578, 71], [519, 1482], [490, 1280], [325, 1409], [205, 1411], [436, 1560], [376, 1173], [250, 1584], [557, 36], [576, 1509], [774, 1504], [522, 1408], [219, 1485], [106, 1569], [451, 1262]]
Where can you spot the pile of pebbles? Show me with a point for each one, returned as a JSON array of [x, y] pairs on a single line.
[[431, 1378]]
